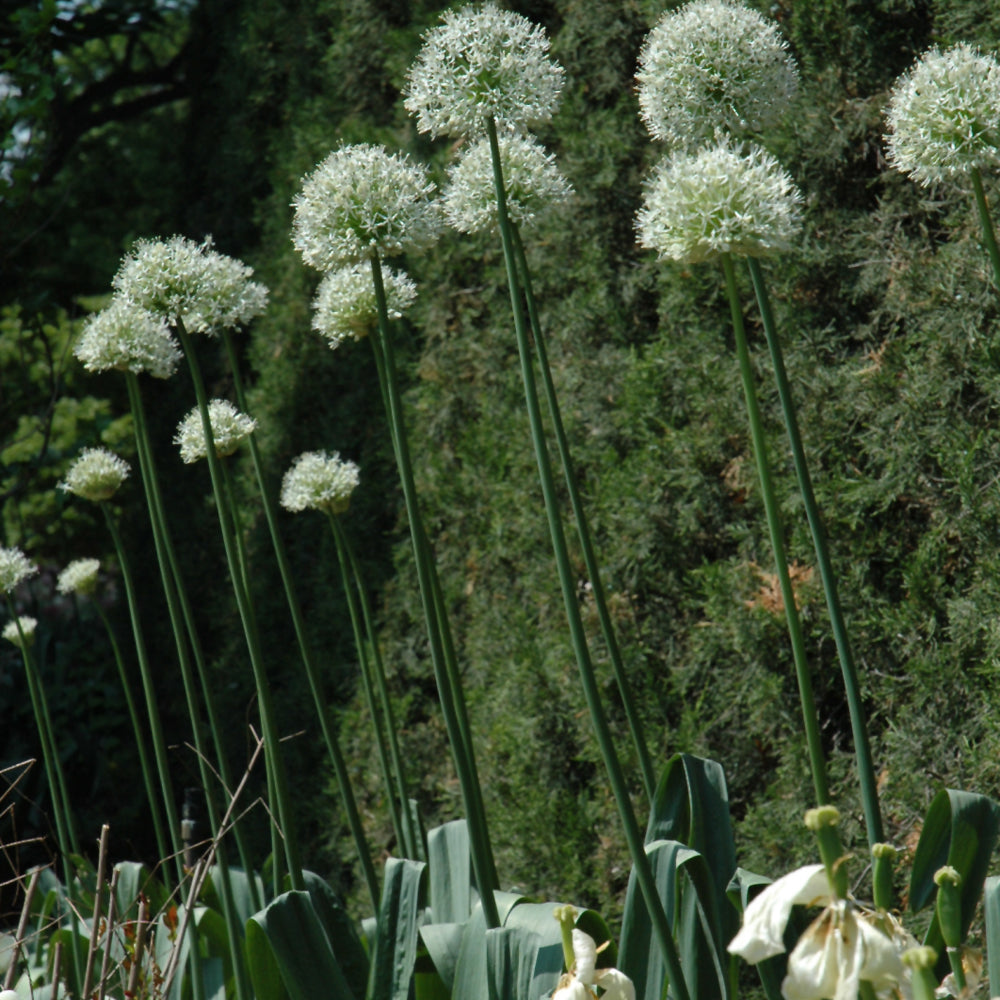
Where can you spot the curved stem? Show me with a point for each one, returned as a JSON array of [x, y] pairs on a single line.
[[989, 236]]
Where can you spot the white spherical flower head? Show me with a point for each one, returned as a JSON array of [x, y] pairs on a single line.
[[190, 283], [79, 577], [363, 202], [532, 182], [15, 566], [13, 634], [96, 475], [711, 66], [344, 307], [126, 337], [482, 63], [944, 116], [229, 428], [717, 201], [319, 480]]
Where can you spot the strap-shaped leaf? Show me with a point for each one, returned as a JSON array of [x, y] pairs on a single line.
[[991, 911], [471, 974], [396, 940], [341, 932], [450, 873], [443, 943]]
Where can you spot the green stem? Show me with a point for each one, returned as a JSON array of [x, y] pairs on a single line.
[[859, 727], [809, 716], [583, 529], [633, 835], [989, 236]]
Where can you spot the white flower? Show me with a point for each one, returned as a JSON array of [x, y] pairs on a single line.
[[12, 634], [718, 200], [344, 306], [15, 566], [944, 115], [96, 474], [190, 282], [710, 66], [79, 577], [126, 337], [482, 63], [319, 480], [362, 202], [229, 428], [577, 983], [532, 182]]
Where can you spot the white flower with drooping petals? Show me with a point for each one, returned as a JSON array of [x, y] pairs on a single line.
[[191, 283], [482, 63], [713, 66], [362, 202], [532, 182], [13, 634], [344, 307], [229, 428], [15, 566], [79, 577], [944, 115], [126, 337], [96, 475], [576, 984], [319, 480], [718, 200]]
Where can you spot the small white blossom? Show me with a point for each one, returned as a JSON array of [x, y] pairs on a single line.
[[191, 283], [126, 337], [15, 566], [700, 205], [319, 480], [12, 634], [711, 66], [532, 182], [79, 577], [482, 63], [362, 202], [96, 474], [344, 306], [578, 982], [229, 428], [944, 115]]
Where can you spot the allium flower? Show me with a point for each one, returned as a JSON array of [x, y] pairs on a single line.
[[713, 65], [229, 428], [578, 983], [15, 566], [715, 201], [344, 306], [319, 480], [96, 474], [482, 63], [190, 282], [362, 202], [531, 179], [79, 577], [12, 634], [944, 115], [127, 337]]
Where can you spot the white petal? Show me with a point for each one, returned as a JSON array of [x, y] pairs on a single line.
[[585, 954], [765, 917], [616, 985], [574, 991]]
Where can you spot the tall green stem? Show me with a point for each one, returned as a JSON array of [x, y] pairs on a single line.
[[989, 236], [859, 726], [633, 835], [808, 704]]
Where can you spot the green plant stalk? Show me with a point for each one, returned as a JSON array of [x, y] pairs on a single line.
[[305, 647], [809, 718], [633, 835], [381, 683], [437, 626], [272, 740], [859, 725], [989, 236], [583, 529]]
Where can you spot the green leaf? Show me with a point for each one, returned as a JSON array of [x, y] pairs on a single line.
[[135, 879], [341, 932], [262, 964], [396, 941], [991, 912], [443, 943], [449, 862], [471, 972]]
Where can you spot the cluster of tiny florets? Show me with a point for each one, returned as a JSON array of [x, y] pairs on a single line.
[[944, 115], [126, 337], [24, 627], [79, 577], [15, 566], [362, 202], [480, 63], [716, 201], [532, 183], [190, 283], [96, 474], [713, 67], [229, 428], [345, 308], [319, 480]]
